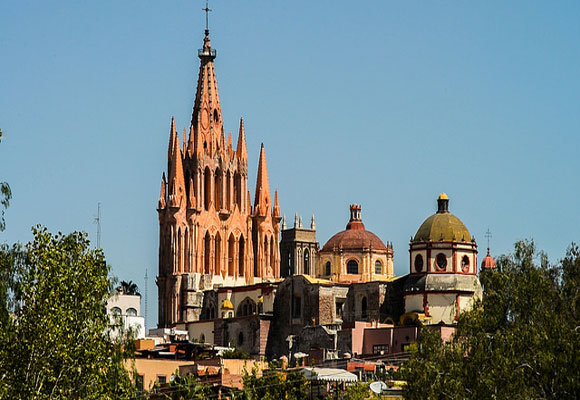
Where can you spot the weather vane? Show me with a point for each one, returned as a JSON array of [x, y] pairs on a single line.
[[207, 10]]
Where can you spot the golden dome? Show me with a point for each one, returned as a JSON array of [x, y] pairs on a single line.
[[227, 305], [442, 225]]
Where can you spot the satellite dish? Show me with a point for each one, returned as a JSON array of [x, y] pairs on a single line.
[[378, 387]]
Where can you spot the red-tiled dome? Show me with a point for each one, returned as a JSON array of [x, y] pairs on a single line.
[[355, 236], [488, 261]]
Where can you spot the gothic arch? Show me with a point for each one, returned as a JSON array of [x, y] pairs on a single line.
[[246, 307], [238, 190], [241, 256], [206, 253], [231, 255], [217, 198], [207, 188], [273, 255], [218, 254], [228, 204]]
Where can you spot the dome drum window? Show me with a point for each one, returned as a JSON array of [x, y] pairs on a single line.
[[328, 270], [440, 262], [378, 267], [465, 264], [352, 267], [418, 263]]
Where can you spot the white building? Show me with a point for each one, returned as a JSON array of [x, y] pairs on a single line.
[[125, 309]]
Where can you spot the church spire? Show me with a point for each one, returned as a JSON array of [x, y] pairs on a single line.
[[162, 195], [206, 119], [276, 209], [176, 179], [241, 150], [262, 198]]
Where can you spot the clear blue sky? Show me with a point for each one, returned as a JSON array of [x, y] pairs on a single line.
[[381, 103]]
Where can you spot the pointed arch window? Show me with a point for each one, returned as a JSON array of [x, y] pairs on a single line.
[[241, 257], [207, 188], [307, 262]]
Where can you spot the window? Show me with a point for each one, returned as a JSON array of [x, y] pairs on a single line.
[[161, 379], [339, 305], [211, 312], [139, 382], [202, 338], [352, 267], [116, 311], [380, 348], [364, 307], [465, 264], [419, 263], [131, 312], [240, 339], [441, 262], [378, 267], [327, 270], [306, 262], [296, 307], [246, 307]]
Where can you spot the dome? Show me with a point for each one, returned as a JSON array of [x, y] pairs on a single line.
[[227, 305], [355, 236], [442, 225], [488, 262]]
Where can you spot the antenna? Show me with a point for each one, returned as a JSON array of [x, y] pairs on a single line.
[[145, 313], [98, 222]]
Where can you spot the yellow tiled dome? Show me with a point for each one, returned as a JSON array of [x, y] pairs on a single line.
[[442, 225], [227, 305]]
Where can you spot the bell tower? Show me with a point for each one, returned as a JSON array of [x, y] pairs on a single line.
[[206, 225]]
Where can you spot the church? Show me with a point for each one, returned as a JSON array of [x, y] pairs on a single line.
[[209, 233], [232, 274]]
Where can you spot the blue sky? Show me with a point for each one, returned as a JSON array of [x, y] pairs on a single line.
[[382, 103]]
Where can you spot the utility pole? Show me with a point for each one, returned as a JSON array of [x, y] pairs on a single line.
[[145, 314], [98, 222]]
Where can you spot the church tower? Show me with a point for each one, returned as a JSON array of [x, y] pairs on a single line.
[[208, 234]]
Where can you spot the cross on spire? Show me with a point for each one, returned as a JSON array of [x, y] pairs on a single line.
[[488, 236], [207, 10]]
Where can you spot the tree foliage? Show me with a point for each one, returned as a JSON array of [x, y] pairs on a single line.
[[5, 196], [187, 388], [274, 384], [53, 325], [521, 341], [129, 288]]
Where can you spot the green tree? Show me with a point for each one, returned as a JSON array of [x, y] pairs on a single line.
[[129, 288], [356, 391], [187, 388], [53, 327], [5, 196], [521, 341], [274, 384]]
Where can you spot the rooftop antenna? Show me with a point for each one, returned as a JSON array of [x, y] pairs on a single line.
[[207, 10], [98, 222], [145, 313], [488, 236]]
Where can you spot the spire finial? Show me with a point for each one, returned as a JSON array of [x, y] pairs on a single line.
[[207, 10], [488, 236]]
